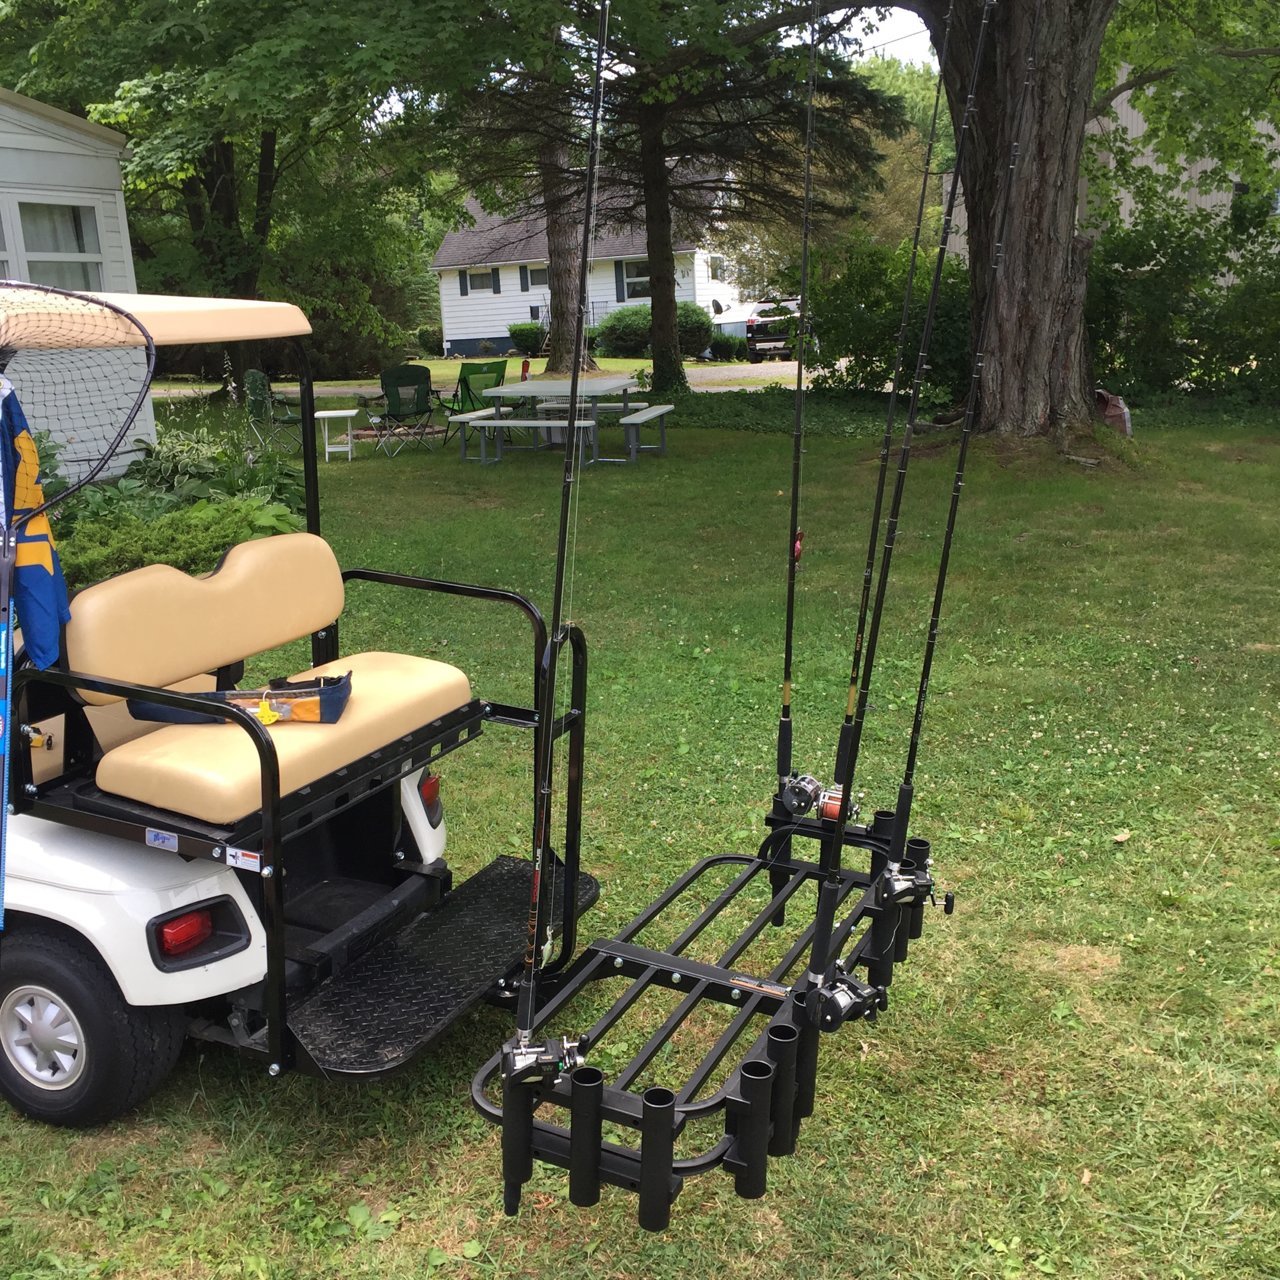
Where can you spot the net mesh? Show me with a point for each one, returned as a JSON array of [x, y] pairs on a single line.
[[79, 369]]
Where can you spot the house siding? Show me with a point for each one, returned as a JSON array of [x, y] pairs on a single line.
[[475, 322], [46, 157]]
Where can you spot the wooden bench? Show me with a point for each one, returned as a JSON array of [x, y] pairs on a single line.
[[632, 423]]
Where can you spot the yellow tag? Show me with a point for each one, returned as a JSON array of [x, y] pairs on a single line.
[[265, 713]]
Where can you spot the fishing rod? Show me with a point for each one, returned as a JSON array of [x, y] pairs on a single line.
[[526, 1065], [886, 445], [795, 538], [539, 907], [970, 412], [855, 718]]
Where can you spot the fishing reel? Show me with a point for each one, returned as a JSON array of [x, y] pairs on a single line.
[[546, 1061], [907, 886], [804, 792], [846, 999]]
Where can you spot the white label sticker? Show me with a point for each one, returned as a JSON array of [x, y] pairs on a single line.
[[244, 859], [162, 839]]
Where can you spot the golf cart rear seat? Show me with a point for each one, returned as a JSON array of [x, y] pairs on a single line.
[[157, 626]]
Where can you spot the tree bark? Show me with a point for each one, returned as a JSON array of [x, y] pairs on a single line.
[[561, 202], [664, 336], [1036, 376]]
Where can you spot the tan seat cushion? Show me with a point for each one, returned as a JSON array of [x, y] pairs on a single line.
[[211, 772]]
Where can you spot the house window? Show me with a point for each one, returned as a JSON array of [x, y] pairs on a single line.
[[62, 245], [717, 267], [538, 278], [535, 313], [636, 275], [479, 280]]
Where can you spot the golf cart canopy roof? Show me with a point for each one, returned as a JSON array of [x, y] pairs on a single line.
[[25, 316]]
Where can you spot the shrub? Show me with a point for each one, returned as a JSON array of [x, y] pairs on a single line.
[[741, 351], [192, 538], [693, 323], [857, 315], [194, 464], [528, 336], [624, 332], [723, 346], [1186, 300], [430, 340]]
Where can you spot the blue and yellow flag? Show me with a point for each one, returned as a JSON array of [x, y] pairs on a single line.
[[39, 589]]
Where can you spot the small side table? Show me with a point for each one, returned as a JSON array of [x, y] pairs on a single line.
[[343, 446]]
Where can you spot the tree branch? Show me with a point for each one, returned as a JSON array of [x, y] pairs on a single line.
[[1144, 78]]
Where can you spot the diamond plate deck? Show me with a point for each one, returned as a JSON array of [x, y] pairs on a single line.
[[387, 1007]]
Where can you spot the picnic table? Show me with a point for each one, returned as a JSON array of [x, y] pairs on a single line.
[[547, 402]]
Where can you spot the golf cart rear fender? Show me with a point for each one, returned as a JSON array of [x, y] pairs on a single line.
[[107, 890]]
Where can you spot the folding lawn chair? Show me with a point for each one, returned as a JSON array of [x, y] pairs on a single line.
[[472, 380], [273, 421], [401, 415]]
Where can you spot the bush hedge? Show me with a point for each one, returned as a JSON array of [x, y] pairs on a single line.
[[857, 314], [626, 331], [527, 336]]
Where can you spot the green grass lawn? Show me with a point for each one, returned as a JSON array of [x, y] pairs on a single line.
[[1079, 1074]]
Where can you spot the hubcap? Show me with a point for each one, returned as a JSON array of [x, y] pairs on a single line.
[[42, 1037]]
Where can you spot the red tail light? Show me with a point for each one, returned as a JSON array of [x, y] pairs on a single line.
[[185, 933], [430, 789]]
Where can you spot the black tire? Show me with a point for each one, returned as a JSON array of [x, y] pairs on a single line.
[[755, 357], [118, 1054]]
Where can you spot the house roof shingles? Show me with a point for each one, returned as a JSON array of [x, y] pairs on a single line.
[[497, 238]]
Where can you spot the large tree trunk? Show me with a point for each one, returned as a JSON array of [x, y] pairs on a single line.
[[1036, 378], [664, 335], [562, 201]]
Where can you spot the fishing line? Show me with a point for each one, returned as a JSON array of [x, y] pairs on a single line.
[[795, 537], [886, 445], [851, 730], [526, 1003], [971, 403]]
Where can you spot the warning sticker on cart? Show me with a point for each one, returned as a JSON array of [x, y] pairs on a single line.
[[244, 859]]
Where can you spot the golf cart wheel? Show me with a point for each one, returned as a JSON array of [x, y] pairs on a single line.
[[72, 1051]]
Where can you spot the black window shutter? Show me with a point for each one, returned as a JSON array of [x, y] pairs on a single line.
[[620, 279], [497, 280], [524, 279], [462, 283]]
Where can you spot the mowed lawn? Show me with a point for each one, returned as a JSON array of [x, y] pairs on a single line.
[[1078, 1074]]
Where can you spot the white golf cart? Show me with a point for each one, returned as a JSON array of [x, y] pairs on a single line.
[[280, 889]]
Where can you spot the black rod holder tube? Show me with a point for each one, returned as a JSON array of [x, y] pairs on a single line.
[[809, 1037], [756, 1087], [884, 922], [882, 822], [884, 929], [657, 1152], [517, 1140], [586, 1094], [780, 1046], [902, 938], [901, 820], [917, 850]]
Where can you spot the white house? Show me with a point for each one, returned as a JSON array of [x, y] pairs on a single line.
[[494, 274], [62, 215]]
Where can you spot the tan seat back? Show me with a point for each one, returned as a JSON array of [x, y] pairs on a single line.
[[157, 625]]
